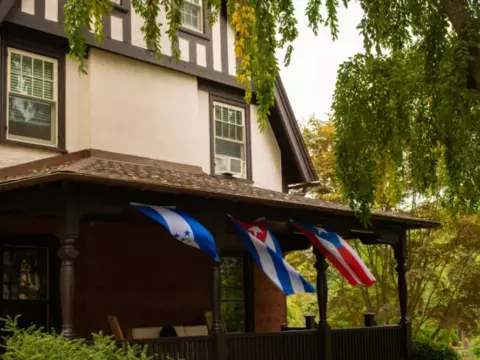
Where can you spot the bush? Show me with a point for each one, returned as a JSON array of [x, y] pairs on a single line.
[[428, 350], [33, 343]]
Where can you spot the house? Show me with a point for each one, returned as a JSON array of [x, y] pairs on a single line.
[[77, 150]]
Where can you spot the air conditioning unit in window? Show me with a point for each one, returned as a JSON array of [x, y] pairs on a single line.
[[226, 165]]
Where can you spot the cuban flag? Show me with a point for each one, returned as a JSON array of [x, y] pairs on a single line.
[[267, 254], [339, 253], [182, 227]]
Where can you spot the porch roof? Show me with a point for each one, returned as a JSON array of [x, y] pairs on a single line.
[[102, 167]]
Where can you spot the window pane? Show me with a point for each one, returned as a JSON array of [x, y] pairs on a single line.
[[16, 63], [26, 65], [228, 148], [26, 85], [30, 118], [239, 118], [239, 133], [232, 277], [37, 87], [225, 130], [48, 94], [48, 70], [37, 68], [231, 116], [233, 314], [218, 112], [218, 128], [25, 275], [225, 114], [15, 82]]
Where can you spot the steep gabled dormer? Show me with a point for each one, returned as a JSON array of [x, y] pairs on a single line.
[[190, 112]]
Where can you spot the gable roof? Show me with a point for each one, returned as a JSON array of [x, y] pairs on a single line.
[[299, 152], [100, 167]]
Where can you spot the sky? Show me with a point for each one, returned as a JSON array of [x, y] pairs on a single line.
[[310, 77]]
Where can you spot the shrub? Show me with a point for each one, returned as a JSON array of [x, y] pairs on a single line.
[[33, 343], [428, 350]]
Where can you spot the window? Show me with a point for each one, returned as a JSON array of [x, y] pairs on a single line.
[[26, 284], [192, 15], [32, 98], [229, 140], [233, 293]]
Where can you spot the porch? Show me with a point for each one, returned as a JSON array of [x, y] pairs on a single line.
[[129, 267]]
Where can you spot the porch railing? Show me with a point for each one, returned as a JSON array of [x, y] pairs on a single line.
[[184, 348], [372, 343], [379, 342], [298, 345]]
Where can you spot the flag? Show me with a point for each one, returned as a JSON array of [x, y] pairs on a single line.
[[339, 253], [182, 227], [265, 250], [261, 231]]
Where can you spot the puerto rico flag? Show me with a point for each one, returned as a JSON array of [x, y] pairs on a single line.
[[267, 254], [182, 227], [339, 253]]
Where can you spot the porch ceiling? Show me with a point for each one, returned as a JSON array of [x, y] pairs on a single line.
[[147, 174]]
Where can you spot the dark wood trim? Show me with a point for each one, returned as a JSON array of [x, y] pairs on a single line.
[[40, 8], [41, 44], [124, 7], [294, 134], [192, 51], [224, 41], [107, 25], [230, 99], [61, 11], [5, 7], [128, 50], [192, 34], [127, 22]]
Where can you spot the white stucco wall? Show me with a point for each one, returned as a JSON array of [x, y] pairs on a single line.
[[266, 156], [145, 110]]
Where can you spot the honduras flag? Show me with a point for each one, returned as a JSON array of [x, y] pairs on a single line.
[[182, 227], [339, 253], [267, 254]]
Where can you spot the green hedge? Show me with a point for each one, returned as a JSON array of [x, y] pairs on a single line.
[[35, 344], [428, 350]]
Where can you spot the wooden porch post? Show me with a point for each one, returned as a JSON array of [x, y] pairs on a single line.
[[322, 298], [68, 222], [401, 255]]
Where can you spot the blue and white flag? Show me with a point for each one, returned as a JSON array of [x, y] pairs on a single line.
[[267, 254], [182, 227]]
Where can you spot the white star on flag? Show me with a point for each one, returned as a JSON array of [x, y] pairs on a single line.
[[255, 230]]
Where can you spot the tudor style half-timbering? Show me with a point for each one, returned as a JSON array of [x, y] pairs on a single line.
[[190, 112]]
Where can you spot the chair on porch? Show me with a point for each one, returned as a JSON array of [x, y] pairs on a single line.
[[115, 327]]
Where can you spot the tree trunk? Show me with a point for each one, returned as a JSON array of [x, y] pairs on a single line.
[[466, 25]]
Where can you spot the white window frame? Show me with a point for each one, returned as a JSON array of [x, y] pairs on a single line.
[[243, 141], [200, 17], [54, 101]]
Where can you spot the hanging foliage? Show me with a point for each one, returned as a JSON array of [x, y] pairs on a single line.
[[408, 106]]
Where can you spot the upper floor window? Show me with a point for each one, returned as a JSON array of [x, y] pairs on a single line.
[[230, 154], [32, 98], [192, 15]]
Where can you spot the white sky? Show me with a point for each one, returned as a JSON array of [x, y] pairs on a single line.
[[310, 78]]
